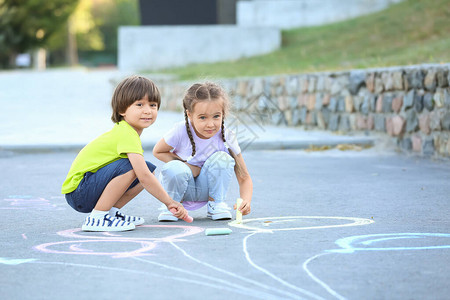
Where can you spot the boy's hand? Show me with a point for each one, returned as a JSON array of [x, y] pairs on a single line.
[[244, 208], [181, 212]]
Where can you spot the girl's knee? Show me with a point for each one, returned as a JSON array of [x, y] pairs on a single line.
[[176, 168], [221, 160]]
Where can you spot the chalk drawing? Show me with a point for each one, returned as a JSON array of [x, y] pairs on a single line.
[[364, 242], [429, 241], [14, 261], [258, 224], [143, 246], [28, 202]]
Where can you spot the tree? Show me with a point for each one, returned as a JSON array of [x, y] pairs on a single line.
[[28, 24]]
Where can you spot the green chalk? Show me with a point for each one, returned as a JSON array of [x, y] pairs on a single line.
[[217, 231]]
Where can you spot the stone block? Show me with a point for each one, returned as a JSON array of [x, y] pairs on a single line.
[[387, 81], [333, 104], [415, 79], [370, 82], [442, 80], [424, 123], [311, 118], [282, 103], [428, 101], [336, 87], [326, 115], [418, 102], [303, 84], [387, 103], [357, 102], [303, 114], [398, 124], [312, 84], [435, 119], [292, 86], [361, 122], [357, 80], [370, 122], [408, 101], [397, 104], [302, 100], [406, 144], [293, 103], [242, 88], [334, 122], [439, 98], [311, 101], [430, 80], [349, 104], [326, 99], [344, 123], [295, 120], [341, 104], [379, 104], [447, 98], [366, 105], [380, 123], [321, 121], [320, 85], [428, 147], [446, 121], [318, 104], [379, 86], [412, 123], [416, 143], [397, 80]]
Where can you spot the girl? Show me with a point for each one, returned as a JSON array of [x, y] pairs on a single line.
[[201, 154], [110, 171]]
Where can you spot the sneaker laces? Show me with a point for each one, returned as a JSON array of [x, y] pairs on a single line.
[[220, 206]]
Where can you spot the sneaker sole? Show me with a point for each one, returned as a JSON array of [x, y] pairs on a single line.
[[222, 216], [108, 228], [166, 218]]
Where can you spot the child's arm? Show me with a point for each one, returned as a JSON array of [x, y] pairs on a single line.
[[162, 151], [152, 185], [245, 186]]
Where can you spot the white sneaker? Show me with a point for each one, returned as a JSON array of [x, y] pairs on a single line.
[[166, 215], [218, 211], [108, 223], [130, 219]]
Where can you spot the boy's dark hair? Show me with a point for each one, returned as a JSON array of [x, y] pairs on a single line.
[[128, 91]]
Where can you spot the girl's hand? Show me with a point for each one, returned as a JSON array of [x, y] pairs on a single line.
[[181, 212], [244, 208]]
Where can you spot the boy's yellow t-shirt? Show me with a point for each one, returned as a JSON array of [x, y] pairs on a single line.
[[105, 149]]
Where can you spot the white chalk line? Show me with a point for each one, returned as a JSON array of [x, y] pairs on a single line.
[[300, 290], [221, 283], [313, 277], [235, 275], [158, 275]]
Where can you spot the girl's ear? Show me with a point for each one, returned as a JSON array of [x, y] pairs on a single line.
[[189, 114]]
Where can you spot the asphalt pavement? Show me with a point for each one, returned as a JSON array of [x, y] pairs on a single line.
[[369, 224]]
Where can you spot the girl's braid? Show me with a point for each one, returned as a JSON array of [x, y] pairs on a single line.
[[188, 129]]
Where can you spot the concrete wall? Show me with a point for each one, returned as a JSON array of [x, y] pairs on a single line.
[[409, 106], [287, 14], [156, 47]]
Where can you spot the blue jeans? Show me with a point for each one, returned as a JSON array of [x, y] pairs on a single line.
[[213, 181], [91, 187]]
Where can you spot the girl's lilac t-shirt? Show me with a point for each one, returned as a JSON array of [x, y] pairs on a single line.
[[178, 139]]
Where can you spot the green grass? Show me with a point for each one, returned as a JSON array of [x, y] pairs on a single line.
[[410, 32]]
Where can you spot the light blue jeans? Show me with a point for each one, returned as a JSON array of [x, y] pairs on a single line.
[[213, 181]]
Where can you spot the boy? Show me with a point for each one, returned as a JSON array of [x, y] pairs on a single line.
[[110, 171]]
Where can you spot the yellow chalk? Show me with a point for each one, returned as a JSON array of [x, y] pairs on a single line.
[[238, 212]]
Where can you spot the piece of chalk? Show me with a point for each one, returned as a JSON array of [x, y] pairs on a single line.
[[188, 218], [217, 231], [238, 212]]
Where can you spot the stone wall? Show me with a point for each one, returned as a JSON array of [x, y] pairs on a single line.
[[408, 105]]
